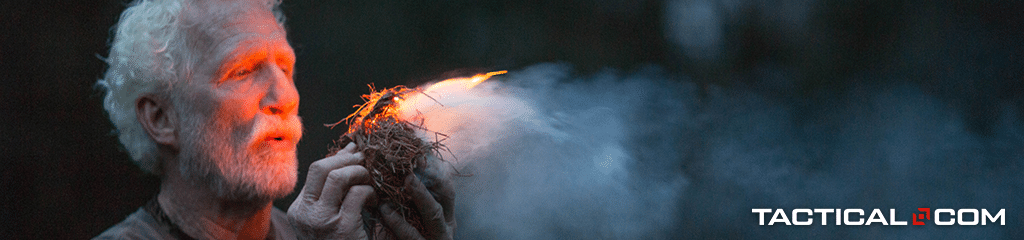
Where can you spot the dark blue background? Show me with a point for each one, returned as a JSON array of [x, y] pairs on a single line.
[[63, 176]]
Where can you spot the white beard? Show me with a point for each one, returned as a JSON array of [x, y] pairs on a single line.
[[230, 168]]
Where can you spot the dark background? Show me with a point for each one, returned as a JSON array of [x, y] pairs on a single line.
[[64, 176]]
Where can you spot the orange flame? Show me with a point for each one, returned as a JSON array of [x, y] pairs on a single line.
[[440, 90], [389, 102], [479, 78], [467, 83]]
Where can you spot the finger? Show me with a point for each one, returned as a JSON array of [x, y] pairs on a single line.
[[349, 148], [394, 221], [430, 210], [444, 192], [352, 207], [319, 170], [339, 181]]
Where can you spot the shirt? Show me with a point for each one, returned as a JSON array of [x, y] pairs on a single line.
[[150, 222]]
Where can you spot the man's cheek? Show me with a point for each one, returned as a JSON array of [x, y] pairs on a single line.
[[243, 133], [295, 126]]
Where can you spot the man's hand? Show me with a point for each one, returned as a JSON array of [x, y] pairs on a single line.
[[435, 207], [331, 202]]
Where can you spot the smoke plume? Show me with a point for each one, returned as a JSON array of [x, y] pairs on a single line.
[[775, 117], [642, 155], [551, 157]]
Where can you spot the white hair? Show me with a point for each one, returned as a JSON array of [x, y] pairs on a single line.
[[149, 55]]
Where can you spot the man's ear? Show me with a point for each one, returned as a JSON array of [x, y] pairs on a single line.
[[158, 119]]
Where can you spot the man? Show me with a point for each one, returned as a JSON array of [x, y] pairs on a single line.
[[201, 94]]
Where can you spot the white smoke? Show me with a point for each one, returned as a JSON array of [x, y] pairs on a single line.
[[554, 158], [649, 156], [645, 156]]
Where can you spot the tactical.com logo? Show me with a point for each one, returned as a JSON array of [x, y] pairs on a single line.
[[859, 217]]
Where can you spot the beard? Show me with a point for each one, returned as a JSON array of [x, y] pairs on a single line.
[[233, 161]]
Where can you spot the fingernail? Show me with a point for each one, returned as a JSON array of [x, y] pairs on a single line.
[[386, 208]]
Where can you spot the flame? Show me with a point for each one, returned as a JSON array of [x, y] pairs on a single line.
[[400, 102], [409, 106], [465, 83], [479, 78]]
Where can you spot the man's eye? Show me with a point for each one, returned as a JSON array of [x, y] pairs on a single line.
[[242, 72]]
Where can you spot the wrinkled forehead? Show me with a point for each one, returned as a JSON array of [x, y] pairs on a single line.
[[217, 27]]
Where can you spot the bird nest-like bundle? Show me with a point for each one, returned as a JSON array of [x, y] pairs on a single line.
[[391, 150]]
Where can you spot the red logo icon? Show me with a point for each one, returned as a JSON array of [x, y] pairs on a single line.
[[926, 215]]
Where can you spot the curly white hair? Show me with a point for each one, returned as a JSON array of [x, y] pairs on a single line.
[[149, 55]]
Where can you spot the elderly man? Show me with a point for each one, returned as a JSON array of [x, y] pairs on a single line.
[[201, 94]]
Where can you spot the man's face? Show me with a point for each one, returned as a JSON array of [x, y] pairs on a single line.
[[240, 123]]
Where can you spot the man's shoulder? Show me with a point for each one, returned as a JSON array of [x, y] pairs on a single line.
[[138, 225]]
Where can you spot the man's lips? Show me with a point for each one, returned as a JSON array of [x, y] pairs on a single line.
[[279, 142], [277, 135], [281, 139]]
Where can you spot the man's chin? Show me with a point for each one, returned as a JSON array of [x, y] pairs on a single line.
[[265, 179]]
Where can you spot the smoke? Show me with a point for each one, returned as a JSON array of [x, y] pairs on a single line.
[[553, 157], [807, 123], [871, 147], [643, 155]]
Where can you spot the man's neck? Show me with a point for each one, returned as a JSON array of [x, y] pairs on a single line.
[[201, 214]]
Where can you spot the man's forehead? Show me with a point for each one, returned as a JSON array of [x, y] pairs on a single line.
[[219, 18], [219, 27]]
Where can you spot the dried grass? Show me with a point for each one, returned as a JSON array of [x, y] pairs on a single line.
[[390, 148]]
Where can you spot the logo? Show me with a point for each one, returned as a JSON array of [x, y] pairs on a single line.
[[859, 217], [926, 215]]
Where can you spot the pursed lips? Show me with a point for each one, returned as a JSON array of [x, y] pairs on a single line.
[[280, 139]]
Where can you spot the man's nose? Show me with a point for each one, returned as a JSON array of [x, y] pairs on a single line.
[[282, 97]]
